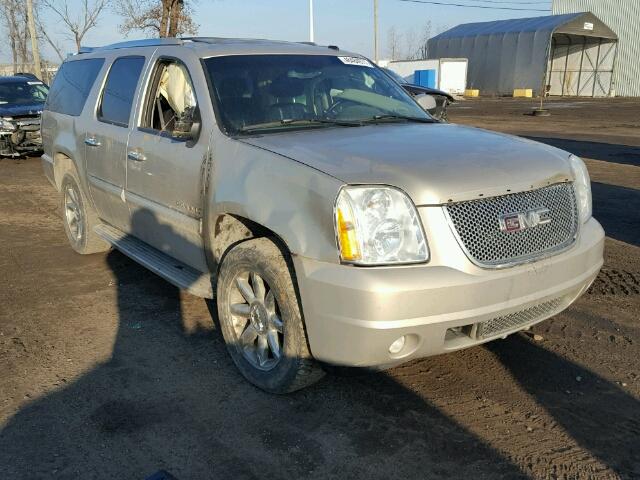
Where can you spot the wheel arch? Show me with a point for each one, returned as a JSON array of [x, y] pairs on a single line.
[[62, 163], [230, 229]]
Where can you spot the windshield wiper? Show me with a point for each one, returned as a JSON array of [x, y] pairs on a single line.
[[393, 117], [298, 122]]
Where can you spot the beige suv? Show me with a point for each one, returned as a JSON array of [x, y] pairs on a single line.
[[331, 218]]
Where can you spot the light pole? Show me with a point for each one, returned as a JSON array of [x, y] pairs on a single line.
[[311, 35], [35, 51], [375, 30]]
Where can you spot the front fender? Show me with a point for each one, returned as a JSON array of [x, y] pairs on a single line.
[[291, 199]]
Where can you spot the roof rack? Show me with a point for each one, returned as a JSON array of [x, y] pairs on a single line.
[[145, 42], [157, 42]]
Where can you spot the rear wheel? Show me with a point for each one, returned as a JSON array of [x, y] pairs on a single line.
[[260, 318], [79, 218]]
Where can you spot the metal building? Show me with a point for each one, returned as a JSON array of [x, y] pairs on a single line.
[[573, 54], [623, 16]]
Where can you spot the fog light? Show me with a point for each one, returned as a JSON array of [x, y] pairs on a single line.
[[397, 346]]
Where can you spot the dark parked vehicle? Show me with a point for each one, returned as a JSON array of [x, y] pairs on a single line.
[[443, 99], [22, 99]]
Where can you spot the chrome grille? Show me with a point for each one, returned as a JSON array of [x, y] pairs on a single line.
[[498, 325], [477, 225]]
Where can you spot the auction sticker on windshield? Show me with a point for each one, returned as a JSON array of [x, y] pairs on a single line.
[[360, 62]]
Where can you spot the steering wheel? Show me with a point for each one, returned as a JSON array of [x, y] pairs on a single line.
[[331, 111]]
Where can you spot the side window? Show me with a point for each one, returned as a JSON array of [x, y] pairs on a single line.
[[171, 102], [72, 84], [119, 90]]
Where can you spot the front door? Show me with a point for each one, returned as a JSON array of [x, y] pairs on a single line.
[[164, 165], [106, 140]]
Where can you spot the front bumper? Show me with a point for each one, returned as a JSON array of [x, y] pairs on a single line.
[[353, 315], [26, 139]]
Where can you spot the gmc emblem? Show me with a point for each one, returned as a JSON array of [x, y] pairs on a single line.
[[518, 221]]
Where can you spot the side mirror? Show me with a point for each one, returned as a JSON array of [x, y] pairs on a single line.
[[187, 126], [427, 102]]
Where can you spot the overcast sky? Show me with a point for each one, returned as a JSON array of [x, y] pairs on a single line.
[[346, 23]]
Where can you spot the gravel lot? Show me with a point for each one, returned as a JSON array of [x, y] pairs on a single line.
[[107, 371]]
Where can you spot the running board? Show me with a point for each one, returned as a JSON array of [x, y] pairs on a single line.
[[172, 270]]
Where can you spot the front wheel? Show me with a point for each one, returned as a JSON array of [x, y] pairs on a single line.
[[260, 318]]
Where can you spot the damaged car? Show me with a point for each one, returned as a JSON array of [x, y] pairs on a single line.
[[441, 99], [21, 101], [332, 219]]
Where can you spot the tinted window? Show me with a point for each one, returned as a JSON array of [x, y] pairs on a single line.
[[72, 85], [274, 92], [118, 93]]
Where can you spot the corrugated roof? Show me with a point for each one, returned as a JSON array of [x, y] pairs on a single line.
[[534, 24]]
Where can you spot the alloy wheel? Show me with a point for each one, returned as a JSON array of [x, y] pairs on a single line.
[[256, 320], [73, 213]]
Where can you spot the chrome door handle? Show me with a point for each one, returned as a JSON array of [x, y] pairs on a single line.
[[92, 141], [136, 156]]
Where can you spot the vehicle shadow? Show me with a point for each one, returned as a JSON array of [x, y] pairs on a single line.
[[618, 210], [579, 400], [607, 152], [169, 398]]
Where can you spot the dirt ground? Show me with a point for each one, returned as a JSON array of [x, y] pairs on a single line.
[[107, 371]]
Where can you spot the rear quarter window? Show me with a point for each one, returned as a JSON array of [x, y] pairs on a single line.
[[119, 90], [72, 84]]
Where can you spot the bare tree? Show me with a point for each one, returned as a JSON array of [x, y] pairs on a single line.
[[14, 16], [78, 23], [53, 43], [423, 49], [159, 18], [412, 45], [394, 44]]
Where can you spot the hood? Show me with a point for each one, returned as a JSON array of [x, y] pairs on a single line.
[[434, 163], [418, 89], [20, 109]]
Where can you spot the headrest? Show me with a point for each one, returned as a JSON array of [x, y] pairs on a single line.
[[234, 87], [287, 87]]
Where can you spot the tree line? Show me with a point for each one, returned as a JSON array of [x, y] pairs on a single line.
[[58, 22], [411, 44]]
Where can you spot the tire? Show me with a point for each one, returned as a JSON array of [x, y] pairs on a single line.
[[263, 327], [79, 218], [444, 118]]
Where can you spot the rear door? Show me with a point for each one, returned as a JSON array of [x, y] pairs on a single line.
[[164, 168], [106, 139]]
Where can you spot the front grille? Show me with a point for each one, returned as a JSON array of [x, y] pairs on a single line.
[[498, 325], [477, 225]]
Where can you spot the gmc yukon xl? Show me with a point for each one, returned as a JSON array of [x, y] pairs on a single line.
[[333, 220]]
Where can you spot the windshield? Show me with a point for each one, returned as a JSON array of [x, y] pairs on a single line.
[[27, 92], [267, 92]]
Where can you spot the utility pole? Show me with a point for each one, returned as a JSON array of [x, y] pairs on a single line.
[[375, 30], [311, 35], [34, 40]]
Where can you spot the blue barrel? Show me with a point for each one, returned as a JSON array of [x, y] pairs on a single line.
[[425, 78]]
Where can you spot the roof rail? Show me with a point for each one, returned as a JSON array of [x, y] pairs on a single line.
[[145, 42]]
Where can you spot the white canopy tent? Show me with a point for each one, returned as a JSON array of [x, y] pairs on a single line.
[[572, 54]]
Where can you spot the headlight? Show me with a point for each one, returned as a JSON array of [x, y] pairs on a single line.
[[582, 187], [378, 225], [7, 125]]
